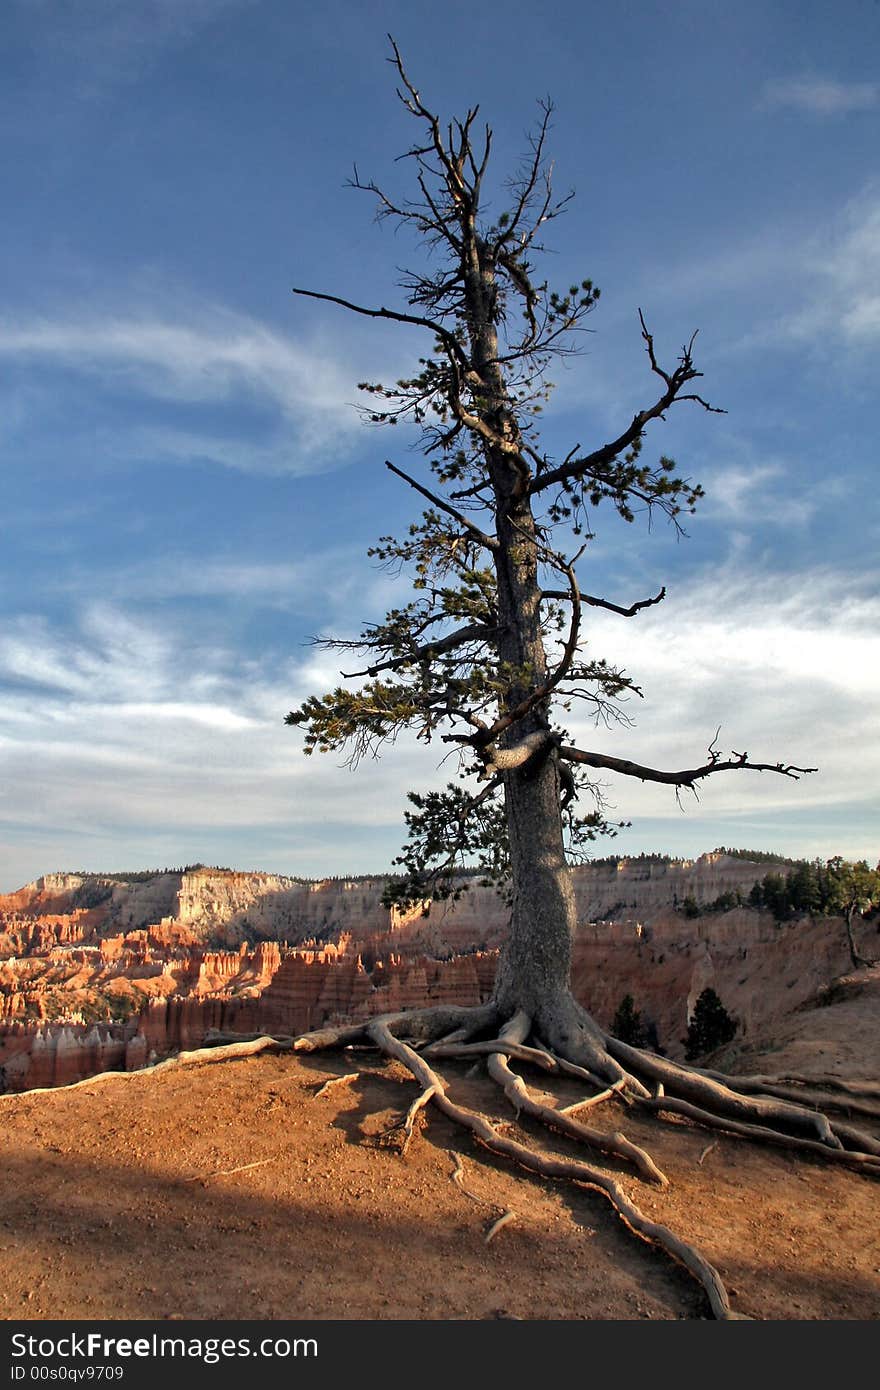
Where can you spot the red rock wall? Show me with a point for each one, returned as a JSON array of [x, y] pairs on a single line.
[[654, 953], [33, 1056]]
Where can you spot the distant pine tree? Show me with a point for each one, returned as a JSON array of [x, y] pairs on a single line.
[[627, 1024], [711, 1026]]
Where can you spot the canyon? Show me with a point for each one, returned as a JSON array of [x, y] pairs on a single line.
[[102, 973]]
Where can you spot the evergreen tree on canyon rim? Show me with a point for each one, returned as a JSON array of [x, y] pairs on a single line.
[[487, 656]]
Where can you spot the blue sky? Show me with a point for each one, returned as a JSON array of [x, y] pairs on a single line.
[[187, 493]]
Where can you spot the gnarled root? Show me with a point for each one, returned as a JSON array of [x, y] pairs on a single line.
[[519, 1096], [202, 1056], [864, 1162], [565, 1041], [399, 1135], [573, 1034], [577, 1046], [421, 1026], [849, 1100], [555, 1166], [755, 1116]]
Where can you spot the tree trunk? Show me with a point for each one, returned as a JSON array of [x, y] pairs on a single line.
[[535, 965], [534, 971], [536, 961], [850, 939]]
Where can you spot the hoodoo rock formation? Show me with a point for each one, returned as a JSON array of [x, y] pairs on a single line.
[[101, 973]]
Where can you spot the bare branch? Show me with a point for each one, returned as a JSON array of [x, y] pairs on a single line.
[[490, 542], [407, 212], [573, 469], [684, 778], [474, 632], [414, 104], [448, 339], [590, 601], [529, 182], [441, 222]]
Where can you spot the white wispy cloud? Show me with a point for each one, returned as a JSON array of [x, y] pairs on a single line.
[[140, 737], [212, 354], [335, 588], [194, 724], [109, 657], [738, 490], [841, 266], [788, 667], [768, 492], [820, 96], [810, 282]]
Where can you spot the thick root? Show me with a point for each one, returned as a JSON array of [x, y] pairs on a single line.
[[556, 1167], [761, 1134], [571, 1033], [215, 1036], [537, 1056], [618, 1089], [617, 1145], [417, 1025], [833, 1083], [721, 1100], [849, 1100], [767, 1109], [202, 1056]]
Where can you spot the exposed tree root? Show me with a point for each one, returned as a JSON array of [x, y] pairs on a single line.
[[865, 1162], [216, 1036], [617, 1089], [555, 1166], [720, 1099], [507, 1214], [489, 1048], [336, 1081], [399, 1135], [458, 1179], [571, 1033], [590, 1102], [422, 1025], [561, 1042], [766, 1109], [832, 1083], [849, 1100], [497, 1225], [518, 1094], [200, 1057], [204, 1178]]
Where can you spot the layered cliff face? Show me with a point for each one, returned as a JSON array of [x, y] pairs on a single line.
[[232, 907], [127, 993], [60, 1054], [312, 988], [71, 965], [761, 970], [213, 904]]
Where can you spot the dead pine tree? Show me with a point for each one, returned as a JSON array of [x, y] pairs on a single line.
[[488, 652]]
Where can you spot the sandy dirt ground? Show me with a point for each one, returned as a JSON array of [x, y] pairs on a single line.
[[118, 1201]]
